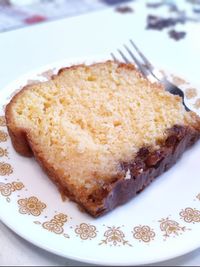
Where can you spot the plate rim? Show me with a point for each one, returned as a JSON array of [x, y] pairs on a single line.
[[98, 262]]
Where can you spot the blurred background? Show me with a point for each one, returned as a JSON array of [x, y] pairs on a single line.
[[19, 13]]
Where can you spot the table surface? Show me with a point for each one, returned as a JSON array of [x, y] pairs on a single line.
[[26, 49]]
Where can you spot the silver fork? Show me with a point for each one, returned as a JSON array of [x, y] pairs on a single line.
[[148, 70]]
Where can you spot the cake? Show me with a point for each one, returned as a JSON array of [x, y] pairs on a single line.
[[101, 132]]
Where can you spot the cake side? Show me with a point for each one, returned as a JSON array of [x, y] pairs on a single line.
[[134, 176], [142, 170], [88, 123], [17, 134]]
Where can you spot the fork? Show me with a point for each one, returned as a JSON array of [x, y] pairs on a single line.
[[148, 70]]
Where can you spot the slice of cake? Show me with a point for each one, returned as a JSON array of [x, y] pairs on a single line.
[[102, 132]]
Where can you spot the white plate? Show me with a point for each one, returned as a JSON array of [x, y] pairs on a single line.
[[161, 223]]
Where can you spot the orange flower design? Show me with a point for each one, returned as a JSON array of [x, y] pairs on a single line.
[[86, 231], [3, 136], [197, 103], [5, 169], [143, 233], [61, 218], [52, 226], [114, 236], [170, 227], [2, 121], [178, 81], [56, 224], [7, 189], [3, 152], [17, 186], [31, 206], [190, 93], [190, 215]]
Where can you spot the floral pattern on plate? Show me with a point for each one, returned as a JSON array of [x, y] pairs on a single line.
[[171, 228], [114, 236], [190, 215], [86, 231], [5, 169], [31, 206], [144, 233]]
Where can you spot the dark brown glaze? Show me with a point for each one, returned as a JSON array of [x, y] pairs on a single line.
[[143, 170]]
